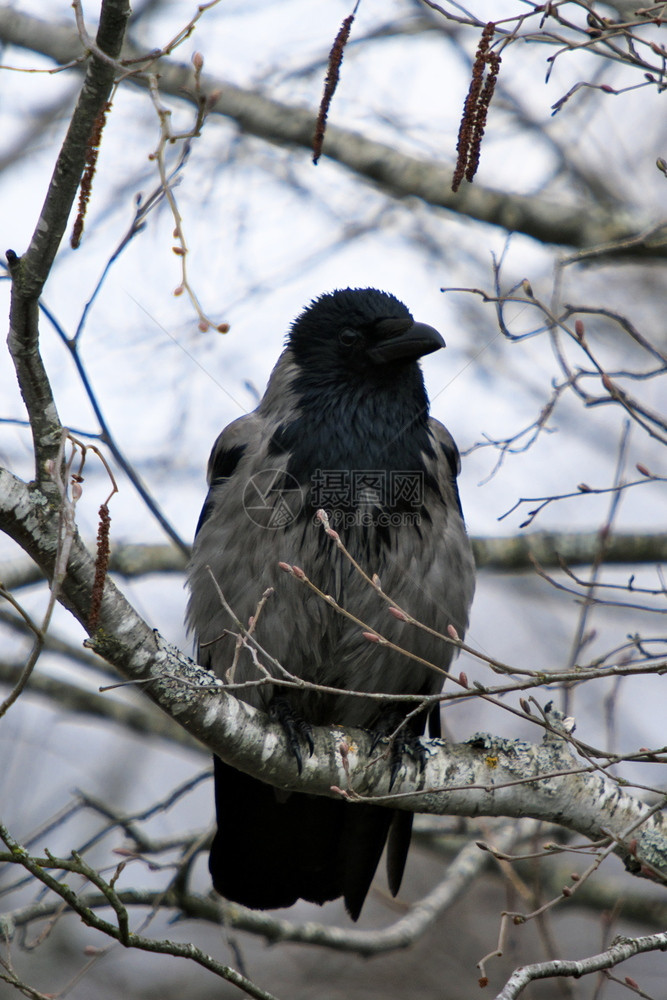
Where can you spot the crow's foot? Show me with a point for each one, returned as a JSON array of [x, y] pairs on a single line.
[[404, 742], [296, 729]]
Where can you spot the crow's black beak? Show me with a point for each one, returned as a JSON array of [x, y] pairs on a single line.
[[406, 344]]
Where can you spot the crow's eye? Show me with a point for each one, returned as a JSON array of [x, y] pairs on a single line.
[[348, 338]]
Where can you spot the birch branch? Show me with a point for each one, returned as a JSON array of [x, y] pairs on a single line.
[[620, 951], [484, 776], [397, 174], [30, 271], [513, 554], [401, 933]]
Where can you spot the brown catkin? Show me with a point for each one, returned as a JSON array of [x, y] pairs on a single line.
[[475, 108], [330, 84], [92, 152], [101, 566], [493, 62]]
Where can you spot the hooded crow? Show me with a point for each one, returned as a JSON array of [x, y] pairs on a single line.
[[343, 426]]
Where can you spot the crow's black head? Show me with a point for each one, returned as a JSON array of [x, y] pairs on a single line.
[[359, 329]]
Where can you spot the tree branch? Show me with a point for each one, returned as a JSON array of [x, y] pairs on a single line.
[[620, 951], [397, 174], [30, 271], [512, 554], [67, 697], [552, 548], [483, 776], [401, 933], [119, 930]]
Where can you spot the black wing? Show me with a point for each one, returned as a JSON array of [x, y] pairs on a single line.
[[226, 454]]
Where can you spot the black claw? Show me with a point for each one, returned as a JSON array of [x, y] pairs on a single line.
[[376, 736], [405, 742], [306, 732], [295, 728], [395, 767], [296, 753]]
